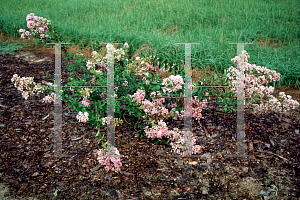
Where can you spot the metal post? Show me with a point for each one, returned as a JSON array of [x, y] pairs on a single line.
[[57, 104], [110, 96], [110, 100], [188, 100], [241, 105]]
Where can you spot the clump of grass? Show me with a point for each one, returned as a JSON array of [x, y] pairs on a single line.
[[9, 48]]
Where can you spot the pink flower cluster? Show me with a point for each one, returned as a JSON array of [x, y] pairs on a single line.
[[125, 83], [24, 83], [156, 107], [49, 99], [150, 108], [84, 102], [161, 130], [254, 84], [105, 159], [35, 22]]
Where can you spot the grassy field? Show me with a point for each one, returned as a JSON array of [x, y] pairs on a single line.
[[272, 27]]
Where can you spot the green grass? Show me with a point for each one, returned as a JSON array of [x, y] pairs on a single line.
[[213, 23], [9, 48]]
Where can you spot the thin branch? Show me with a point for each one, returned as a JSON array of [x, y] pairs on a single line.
[[274, 155]]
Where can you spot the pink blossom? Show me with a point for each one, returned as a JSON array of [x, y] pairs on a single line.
[[126, 45], [84, 102]]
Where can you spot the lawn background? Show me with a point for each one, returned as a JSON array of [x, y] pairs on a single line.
[[213, 23]]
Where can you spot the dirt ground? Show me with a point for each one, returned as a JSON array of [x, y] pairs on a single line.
[[29, 169]]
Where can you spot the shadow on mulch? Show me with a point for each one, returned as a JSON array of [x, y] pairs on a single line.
[[148, 171]]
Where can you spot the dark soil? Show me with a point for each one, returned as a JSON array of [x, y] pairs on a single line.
[[148, 171]]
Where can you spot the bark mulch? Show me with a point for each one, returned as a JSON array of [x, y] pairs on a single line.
[[149, 171]]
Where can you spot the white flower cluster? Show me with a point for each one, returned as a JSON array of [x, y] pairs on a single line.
[[82, 117]]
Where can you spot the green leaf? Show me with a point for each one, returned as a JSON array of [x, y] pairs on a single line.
[[200, 96], [97, 135], [226, 93], [207, 76], [204, 90], [154, 82], [215, 76]]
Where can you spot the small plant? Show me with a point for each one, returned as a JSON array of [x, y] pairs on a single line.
[[50, 78], [269, 180]]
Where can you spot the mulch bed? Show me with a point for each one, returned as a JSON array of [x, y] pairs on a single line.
[[148, 171]]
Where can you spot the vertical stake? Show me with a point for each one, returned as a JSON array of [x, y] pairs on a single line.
[[110, 96], [110, 100], [241, 105], [188, 99], [57, 139]]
